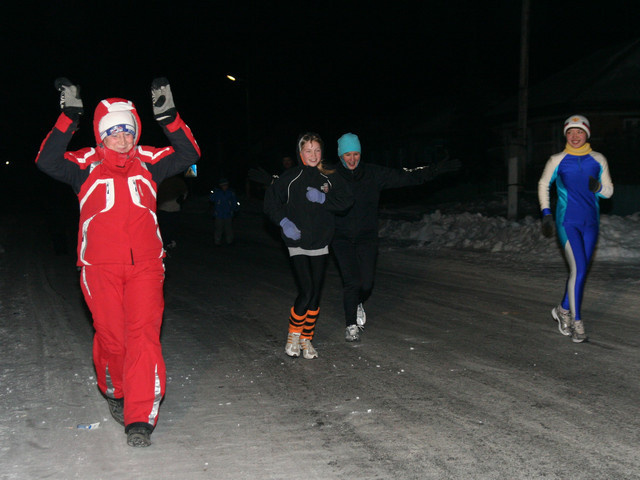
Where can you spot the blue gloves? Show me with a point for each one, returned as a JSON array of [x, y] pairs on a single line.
[[315, 195], [289, 228], [594, 184], [547, 226]]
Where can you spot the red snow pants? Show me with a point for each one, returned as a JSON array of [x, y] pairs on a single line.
[[127, 303]]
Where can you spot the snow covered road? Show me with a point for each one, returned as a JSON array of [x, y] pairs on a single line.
[[460, 374]]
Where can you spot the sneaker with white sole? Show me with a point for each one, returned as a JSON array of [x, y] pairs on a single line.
[[352, 333], [578, 335], [293, 345], [563, 317], [361, 316], [308, 351]]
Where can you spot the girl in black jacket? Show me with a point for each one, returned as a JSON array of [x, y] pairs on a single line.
[[303, 201]]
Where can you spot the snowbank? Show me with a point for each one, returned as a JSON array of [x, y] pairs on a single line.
[[619, 236]]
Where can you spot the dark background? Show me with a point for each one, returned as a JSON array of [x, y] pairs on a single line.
[[329, 67]]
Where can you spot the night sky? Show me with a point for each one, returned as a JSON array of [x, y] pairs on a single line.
[[330, 67]]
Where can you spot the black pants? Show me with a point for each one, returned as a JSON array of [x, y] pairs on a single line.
[[357, 264], [169, 223], [309, 273]]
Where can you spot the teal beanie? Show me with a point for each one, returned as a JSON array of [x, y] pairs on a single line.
[[348, 143]]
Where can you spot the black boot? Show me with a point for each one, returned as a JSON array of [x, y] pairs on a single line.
[[138, 434], [116, 407]]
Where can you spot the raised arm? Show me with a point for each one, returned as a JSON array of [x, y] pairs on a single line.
[[51, 157], [184, 150]]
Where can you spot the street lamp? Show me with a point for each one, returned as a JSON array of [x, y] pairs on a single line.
[[245, 83]]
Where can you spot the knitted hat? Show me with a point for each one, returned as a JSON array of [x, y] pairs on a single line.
[[577, 121], [348, 143], [115, 105], [115, 122]]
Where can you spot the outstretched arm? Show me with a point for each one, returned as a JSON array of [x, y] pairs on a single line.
[[339, 197], [404, 177]]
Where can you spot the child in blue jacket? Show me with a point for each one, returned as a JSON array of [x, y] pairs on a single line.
[[225, 205]]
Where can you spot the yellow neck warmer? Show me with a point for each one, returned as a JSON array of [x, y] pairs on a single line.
[[583, 150]]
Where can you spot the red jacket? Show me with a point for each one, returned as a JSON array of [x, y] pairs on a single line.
[[117, 192]]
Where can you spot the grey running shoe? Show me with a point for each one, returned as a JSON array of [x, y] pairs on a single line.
[[116, 407], [361, 316], [563, 317], [579, 334], [293, 345], [352, 333], [308, 351], [139, 436]]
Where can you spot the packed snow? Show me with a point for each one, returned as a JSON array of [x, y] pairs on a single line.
[[453, 378], [619, 236]]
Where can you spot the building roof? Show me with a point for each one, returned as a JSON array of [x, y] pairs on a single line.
[[607, 80]]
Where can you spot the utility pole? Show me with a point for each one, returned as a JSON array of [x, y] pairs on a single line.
[[518, 152]]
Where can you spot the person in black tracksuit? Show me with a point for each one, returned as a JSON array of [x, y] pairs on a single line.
[[355, 242], [303, 201]]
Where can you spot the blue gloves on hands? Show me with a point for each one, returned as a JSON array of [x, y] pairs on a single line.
[[289, 228], [315, 195]]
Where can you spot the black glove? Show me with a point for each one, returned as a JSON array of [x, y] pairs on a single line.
[[259, 175], [70, 101], [547, 226], [446, 166], [594, 185], [163, 107]]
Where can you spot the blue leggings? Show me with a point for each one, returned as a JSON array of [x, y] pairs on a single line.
[[579, 244]]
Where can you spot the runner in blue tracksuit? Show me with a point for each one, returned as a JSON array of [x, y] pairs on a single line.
[[582, 178]]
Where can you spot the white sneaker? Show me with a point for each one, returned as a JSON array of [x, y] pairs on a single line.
[[578, 335], [563, 317], [293, 345], [307, 349], [352, 333], [361, 316]]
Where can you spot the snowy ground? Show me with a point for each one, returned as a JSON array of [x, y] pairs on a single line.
[[460, 374]]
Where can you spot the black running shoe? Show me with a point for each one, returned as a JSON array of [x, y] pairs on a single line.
[[116, 407]]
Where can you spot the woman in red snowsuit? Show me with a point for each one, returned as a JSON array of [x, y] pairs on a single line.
[[120, 250]]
